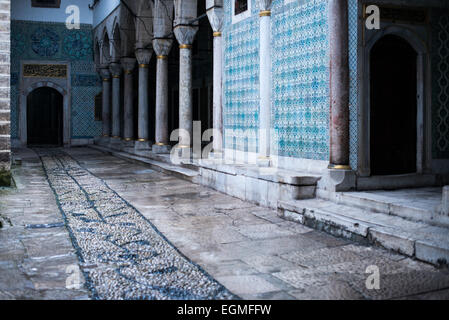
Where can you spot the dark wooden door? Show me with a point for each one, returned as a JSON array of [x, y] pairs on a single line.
[[393, 131], [44, 117]]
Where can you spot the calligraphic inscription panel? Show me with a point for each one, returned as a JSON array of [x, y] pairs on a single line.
[[45, 70]]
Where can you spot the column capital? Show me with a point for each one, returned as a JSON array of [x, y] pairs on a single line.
[[215, 13], [105, 73], [128, 64], [185, 34], [144, 56], [116, 69], [162, 46]]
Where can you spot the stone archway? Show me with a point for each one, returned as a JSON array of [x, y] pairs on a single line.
[[44, 117], [393, 107], [66, 111], [422, 98]]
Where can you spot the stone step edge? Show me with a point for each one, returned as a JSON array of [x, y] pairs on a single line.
[[402, 211], [186, 174], [288, 177], [363, 232]]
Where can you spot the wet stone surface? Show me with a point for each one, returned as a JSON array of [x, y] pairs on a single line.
[[133, 260], [138, 234]]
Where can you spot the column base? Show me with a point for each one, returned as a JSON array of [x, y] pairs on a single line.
[[115, 143], [161, 148], [264, 162], [142, 145], [102, 141], [183, 153], [128, 145], [338, 180]]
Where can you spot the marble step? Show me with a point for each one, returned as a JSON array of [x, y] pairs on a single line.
[[177, 171], [419, 205], [414, 239]]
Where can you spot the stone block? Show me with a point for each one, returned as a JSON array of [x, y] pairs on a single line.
[[436, 254], [391, 240], [445, 201], [165, 149]]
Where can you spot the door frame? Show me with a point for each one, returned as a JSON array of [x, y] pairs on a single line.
[[62, 85], [65, 111], [60, 116], [423, 156]]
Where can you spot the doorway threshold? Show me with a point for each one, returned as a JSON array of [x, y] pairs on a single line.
[[394, 182]]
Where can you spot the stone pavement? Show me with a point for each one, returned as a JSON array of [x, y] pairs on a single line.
[[248, 249]]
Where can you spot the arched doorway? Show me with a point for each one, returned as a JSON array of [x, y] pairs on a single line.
[[393, 107], [45, 117]]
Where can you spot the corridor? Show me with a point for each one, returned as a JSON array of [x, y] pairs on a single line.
[[139, 234]]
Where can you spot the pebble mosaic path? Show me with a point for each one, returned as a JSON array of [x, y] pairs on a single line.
[[122, 255]]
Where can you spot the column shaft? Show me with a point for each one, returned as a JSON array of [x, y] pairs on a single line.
[[339, 85], [116, 106], [185, 95], [162, 101], [128, 107], [106, 106], [265, 85], [143, 103], [217, 93]]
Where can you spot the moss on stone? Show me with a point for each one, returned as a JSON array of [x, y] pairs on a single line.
[[5, 178]]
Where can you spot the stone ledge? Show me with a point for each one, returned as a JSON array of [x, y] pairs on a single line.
[[176, 171], [413, 239]]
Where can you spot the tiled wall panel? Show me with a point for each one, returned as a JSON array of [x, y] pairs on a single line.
[[300, 76], [54, 42], [241, 80]]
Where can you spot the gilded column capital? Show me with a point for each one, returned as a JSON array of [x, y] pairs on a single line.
[[128, 64], [144, 56], [215, 14], [116, 69]]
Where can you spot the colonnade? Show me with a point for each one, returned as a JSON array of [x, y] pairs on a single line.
[[184, 26]]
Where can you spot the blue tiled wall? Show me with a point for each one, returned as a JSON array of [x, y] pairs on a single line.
[[353, 75], [300, 106], [440, 84], [241, 79], [53, 41]]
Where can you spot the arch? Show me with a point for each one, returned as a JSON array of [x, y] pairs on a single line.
[[116, 48], [97, 52], [393, 87], [105, 48], [403, 32], [423, 99], [45, 116], [66, 122]]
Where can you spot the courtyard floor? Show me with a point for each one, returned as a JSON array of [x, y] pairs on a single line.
[[134, 233]]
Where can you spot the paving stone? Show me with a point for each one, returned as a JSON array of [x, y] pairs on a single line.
[[247, 284], [248, 249]]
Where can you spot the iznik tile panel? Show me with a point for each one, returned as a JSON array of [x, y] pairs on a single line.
[[353, 84], [83, 113], [440, 84], [54, 42], [300, 105], [241, 80]]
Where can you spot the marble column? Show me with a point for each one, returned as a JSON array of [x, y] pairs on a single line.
[[106, 104], [339, 85], [162, 49], [215, 14], [264, 82], [116, 71], [128, 65], [143, 57], [185, 36]]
